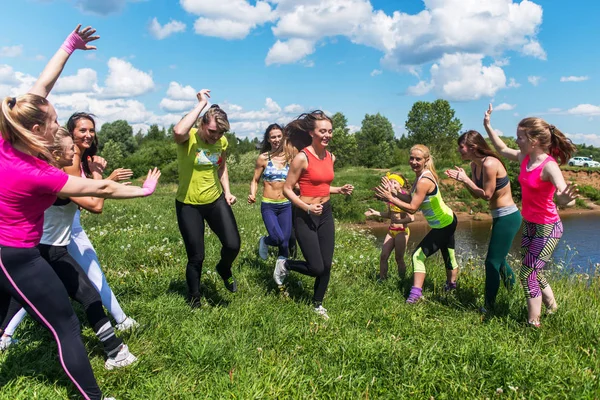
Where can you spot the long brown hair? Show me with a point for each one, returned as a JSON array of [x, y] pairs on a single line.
[[265, 145], [476, 143], [429, 164], [18, 117], [298, 130], [549, 138], [93, 149]]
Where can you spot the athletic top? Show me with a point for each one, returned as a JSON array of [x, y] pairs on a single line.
[[436, 212], [58, 221], [316, 180], [537, 195], [500, 182], [273, 173], [198, 166], [29, 186], [394, 208]]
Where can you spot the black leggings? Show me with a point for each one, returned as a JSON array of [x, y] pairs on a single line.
[[437, 239], [220, 219], [27, 277], [316, 237]]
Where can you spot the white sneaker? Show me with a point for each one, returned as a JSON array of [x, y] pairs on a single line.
[[6, 342], [263, 249], [122, 359], [322, 311], [128, 323], [108, 398], [281, 271]]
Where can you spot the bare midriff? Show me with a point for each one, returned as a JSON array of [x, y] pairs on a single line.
[[273, 190]]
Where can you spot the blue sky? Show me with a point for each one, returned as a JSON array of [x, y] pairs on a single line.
[[268, 61]]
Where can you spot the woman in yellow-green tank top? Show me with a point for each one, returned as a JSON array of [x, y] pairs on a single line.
[[203, 193], [426, 197]]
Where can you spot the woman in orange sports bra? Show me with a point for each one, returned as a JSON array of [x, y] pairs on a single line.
[[398, 233]]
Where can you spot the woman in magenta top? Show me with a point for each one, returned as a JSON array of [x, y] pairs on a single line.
[[312, 170], [30, 184], [541, 148]]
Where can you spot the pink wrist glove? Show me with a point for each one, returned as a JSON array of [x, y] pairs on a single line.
[[73, 42], [149, 186]]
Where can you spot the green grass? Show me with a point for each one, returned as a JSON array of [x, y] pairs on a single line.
[[259, 344]]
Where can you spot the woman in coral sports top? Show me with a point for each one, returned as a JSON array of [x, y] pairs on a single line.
[[541, 148], [312, 170]]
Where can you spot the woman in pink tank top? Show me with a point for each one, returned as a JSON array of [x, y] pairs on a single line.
[[541, 148]]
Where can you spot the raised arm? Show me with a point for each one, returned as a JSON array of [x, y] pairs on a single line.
[[500, 146], [109, 189], [76, 40], [181, 131], [258, 170]]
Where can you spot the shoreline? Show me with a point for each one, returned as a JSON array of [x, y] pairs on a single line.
[[466, 217]]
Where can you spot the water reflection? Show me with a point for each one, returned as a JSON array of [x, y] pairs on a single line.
[[578, 249]]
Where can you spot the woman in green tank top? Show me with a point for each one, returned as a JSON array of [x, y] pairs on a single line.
[[426, 197]]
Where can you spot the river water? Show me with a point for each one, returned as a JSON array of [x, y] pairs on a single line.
[[578, 250]]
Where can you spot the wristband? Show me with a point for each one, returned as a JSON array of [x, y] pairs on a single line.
[[73, 42]]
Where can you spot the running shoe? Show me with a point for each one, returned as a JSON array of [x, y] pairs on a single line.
[[322, 311], [122, 359], [6, 342], [263, 249], [280, 272], [230, 284], [449, 286], [128, 323]]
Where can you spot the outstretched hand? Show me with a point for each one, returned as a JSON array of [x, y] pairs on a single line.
[[121, 174], [569, 194], [203, 95], [383, 192], [87, 35], [346, 189], [457, 174], [370, 212], [151, 181], [488, 114]]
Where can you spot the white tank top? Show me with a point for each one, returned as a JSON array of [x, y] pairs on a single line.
[[58, 220]]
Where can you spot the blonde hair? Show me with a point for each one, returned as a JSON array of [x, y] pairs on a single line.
[[215, 112], [57, 145], [18, 117], [549, 138], [429, 164]]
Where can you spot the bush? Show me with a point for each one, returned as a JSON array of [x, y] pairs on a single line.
[[241, 167], [151, 154]]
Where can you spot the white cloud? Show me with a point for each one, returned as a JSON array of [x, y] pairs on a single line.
[[574, 78], [11, 51], [353, 128], [293, 109], [227, 19], [512, 83], [583, 138], [289, 51], [462, 77], [534, 49], [376, 72], [179, 92], [176, 105], [585, 109], [124, 80], [40, 57], [84, 81], [554, 110], [504, 107], [160, 32], [534, 80]]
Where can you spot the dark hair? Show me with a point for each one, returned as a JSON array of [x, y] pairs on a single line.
[[298, 130], [93, 149], [549, 138], [475, 142], [266, 146], [219, 116]]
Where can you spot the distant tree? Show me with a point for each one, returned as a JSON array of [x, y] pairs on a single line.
[[434, 125], [139, 138], [156, 133], [113, 154], [339, 120], [375, 142], [343, 143], [119, 132]]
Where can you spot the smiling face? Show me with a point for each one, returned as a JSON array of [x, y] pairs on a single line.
[[321, 135], [84, 133], [417, 161], [275, 139], [68, 152]]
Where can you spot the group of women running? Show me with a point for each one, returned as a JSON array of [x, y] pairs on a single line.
[[49, 173]]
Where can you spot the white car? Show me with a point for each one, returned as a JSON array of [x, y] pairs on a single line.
[[583, 162]]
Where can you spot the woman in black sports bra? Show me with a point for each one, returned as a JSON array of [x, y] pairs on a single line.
[[489, 180]]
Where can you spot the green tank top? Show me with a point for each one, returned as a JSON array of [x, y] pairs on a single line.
[[436, 212]]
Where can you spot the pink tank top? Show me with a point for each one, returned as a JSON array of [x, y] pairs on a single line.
[[537, 195]]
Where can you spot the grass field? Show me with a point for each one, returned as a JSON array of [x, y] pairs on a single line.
[[259, 344]]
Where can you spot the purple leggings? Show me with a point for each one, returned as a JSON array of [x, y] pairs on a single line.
[[278, 221]]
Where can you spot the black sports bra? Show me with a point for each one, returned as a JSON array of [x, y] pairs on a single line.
[[500, 182]]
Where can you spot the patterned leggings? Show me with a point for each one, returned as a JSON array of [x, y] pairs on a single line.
[[537, 245]]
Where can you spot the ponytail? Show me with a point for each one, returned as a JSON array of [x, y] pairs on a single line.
[[549, 137]]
